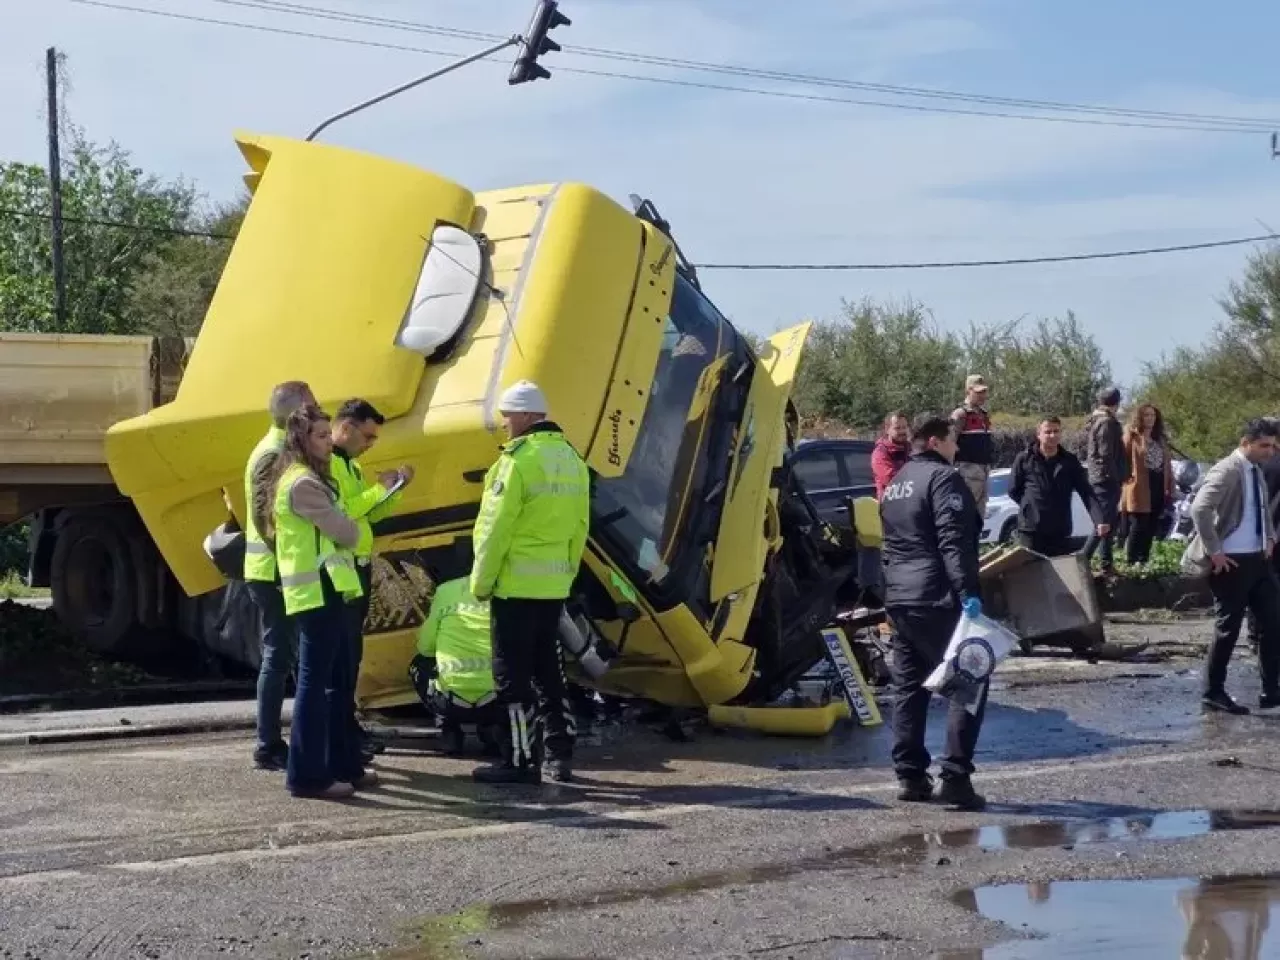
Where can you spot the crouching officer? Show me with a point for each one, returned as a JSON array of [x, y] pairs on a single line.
[[931, 575], [453, 671], [528, 543]]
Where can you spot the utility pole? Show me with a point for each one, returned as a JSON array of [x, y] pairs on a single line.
[[55, 194]]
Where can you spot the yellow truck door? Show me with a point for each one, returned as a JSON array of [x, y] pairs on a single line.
[[741, 545]]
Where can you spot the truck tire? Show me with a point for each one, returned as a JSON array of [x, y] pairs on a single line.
[[1007, 531], [93, 582]]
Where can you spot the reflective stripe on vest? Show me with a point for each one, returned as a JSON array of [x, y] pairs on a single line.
[[542, 568], [258, 547], [453, 665]]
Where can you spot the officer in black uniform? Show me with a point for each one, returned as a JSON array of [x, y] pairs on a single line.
[[931, 577]]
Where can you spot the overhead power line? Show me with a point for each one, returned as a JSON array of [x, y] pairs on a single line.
[[118, 224], [364, 19], [1208, 124], [917, 265], [1014, 262]]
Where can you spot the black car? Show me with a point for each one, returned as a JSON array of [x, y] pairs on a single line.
[[832, 471]]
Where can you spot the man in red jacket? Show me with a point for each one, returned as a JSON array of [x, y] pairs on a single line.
[[892, 450]]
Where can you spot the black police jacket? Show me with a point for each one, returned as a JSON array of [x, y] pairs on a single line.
[[931, 532]]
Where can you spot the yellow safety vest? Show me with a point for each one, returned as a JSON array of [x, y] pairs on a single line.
[[259, 559], [457, 635], [302, 551]]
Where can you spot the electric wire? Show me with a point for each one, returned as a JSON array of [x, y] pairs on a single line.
[[1201, 123], [907, 265], [392, 23]]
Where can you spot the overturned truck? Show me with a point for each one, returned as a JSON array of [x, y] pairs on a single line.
[[708, 577]]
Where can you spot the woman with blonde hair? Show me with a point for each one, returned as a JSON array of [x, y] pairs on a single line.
[[1150, 484], [313, 539]]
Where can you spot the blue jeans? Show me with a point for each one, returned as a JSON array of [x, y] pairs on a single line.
[[279, 653], [322, 744]]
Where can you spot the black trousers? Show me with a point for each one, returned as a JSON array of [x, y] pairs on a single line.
[[357, 611], [1051, 545], [1251, 585], [920, 639], [1108, 497], [528, 675], [1255, 632], [1143, 526]]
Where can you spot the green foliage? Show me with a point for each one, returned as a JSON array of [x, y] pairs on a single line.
[[1206, 393], [13, 548], [172, 293], [119, 281], [882, 357]]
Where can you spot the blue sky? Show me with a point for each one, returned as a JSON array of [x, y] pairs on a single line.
[[757, 178]]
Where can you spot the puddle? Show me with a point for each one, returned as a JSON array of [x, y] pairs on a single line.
[[436, 936], [1218, 918]]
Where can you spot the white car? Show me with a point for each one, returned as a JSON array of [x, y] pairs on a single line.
[[1001, 521]]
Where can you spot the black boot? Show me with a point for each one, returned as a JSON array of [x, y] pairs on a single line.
[[958, 794], [559, 769], [915, 789], [488, 736], [452, 739], [274, 758], [506, 772]]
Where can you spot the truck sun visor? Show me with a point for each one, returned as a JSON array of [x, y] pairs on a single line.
[[445, 291]]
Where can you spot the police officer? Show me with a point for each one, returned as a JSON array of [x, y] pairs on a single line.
[[453, 670], [528, 543], [931, 575]]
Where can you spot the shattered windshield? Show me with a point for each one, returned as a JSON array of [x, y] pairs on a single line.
[[644, 511]]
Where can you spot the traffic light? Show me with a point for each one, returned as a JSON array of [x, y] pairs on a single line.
[[546, 17]]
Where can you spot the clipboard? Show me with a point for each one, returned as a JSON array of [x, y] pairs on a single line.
[[392, 491]]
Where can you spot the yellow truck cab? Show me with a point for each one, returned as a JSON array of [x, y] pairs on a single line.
[[706, 577]]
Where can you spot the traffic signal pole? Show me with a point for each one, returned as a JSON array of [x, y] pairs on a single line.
[[546, 17], [488, 52]]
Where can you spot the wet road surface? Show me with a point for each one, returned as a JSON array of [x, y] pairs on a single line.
[[1111, 795]]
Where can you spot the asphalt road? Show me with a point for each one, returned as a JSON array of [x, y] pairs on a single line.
[[725, 846]]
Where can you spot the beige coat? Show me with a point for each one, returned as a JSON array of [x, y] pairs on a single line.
[[1217, 510]]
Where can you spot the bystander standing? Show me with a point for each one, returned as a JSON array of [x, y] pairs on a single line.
[[1044, 478], [1232, 545], [1108, 469], [891, 450]]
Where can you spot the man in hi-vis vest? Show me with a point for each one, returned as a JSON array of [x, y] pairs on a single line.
[[453, 669], [528, 542], [279, 638]]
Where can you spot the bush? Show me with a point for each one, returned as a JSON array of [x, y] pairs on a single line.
[[13, 548]]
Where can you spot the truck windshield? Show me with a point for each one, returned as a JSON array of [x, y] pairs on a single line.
[[643, 512]]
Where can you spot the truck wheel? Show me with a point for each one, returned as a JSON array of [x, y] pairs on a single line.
[[1006, 532], [92, 582]]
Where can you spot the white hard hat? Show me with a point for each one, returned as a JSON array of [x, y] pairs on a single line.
[[523, 397]]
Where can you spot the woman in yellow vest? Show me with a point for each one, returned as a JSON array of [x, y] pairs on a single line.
[[314, 542]]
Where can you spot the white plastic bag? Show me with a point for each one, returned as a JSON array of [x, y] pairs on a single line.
[[977, 646]]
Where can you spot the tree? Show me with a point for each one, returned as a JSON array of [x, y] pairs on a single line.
[[883, 357], [875, 359], [1054, 368], [1207, 393], [102, 190], [172, 294]]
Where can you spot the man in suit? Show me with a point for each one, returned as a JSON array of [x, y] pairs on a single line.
[[1233, 543]]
